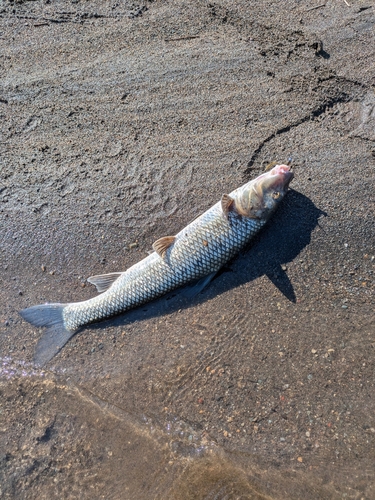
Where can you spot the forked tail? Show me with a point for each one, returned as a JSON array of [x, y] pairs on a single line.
[[55, 337]]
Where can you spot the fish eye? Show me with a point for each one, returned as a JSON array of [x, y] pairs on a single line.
[[275, 195]]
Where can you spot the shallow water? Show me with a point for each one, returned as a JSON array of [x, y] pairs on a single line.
[[77, 443]]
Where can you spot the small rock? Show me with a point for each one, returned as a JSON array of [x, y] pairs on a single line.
[[300, 459], [43, 267]]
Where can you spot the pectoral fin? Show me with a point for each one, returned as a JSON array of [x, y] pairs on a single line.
[[195, 289], [103, 281], [162, 244], [227, 204]]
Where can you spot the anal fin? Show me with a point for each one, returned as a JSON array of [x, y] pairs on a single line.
[[162, 244], [103, 281]]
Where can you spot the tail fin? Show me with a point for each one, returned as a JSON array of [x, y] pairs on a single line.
[[56, 335]]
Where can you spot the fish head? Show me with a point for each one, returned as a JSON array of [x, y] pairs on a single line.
[[259, 198]]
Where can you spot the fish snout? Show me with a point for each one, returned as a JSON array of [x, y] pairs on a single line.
[[280, 177]]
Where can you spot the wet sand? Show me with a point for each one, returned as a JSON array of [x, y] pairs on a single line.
[[120, 123]]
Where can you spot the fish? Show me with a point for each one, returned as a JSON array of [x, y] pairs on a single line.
[[195, 254]]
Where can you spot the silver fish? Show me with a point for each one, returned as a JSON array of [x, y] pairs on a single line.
[[195, 253]]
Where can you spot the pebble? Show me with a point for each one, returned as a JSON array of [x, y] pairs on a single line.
[[43, 267]]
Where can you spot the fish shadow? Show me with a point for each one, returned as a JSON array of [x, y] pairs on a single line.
[[280, 242]]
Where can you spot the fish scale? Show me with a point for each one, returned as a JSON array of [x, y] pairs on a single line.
[[195, 253], [189, 259]]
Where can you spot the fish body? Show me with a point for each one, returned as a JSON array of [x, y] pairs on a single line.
[[195, 253]]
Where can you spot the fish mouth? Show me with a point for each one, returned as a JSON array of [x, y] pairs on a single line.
[[280, 177]]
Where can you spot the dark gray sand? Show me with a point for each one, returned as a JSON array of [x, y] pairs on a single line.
[[122, 121]]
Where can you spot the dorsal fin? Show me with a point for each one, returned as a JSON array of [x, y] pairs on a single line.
[[227, 204], [162, 244], [103, 281]]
